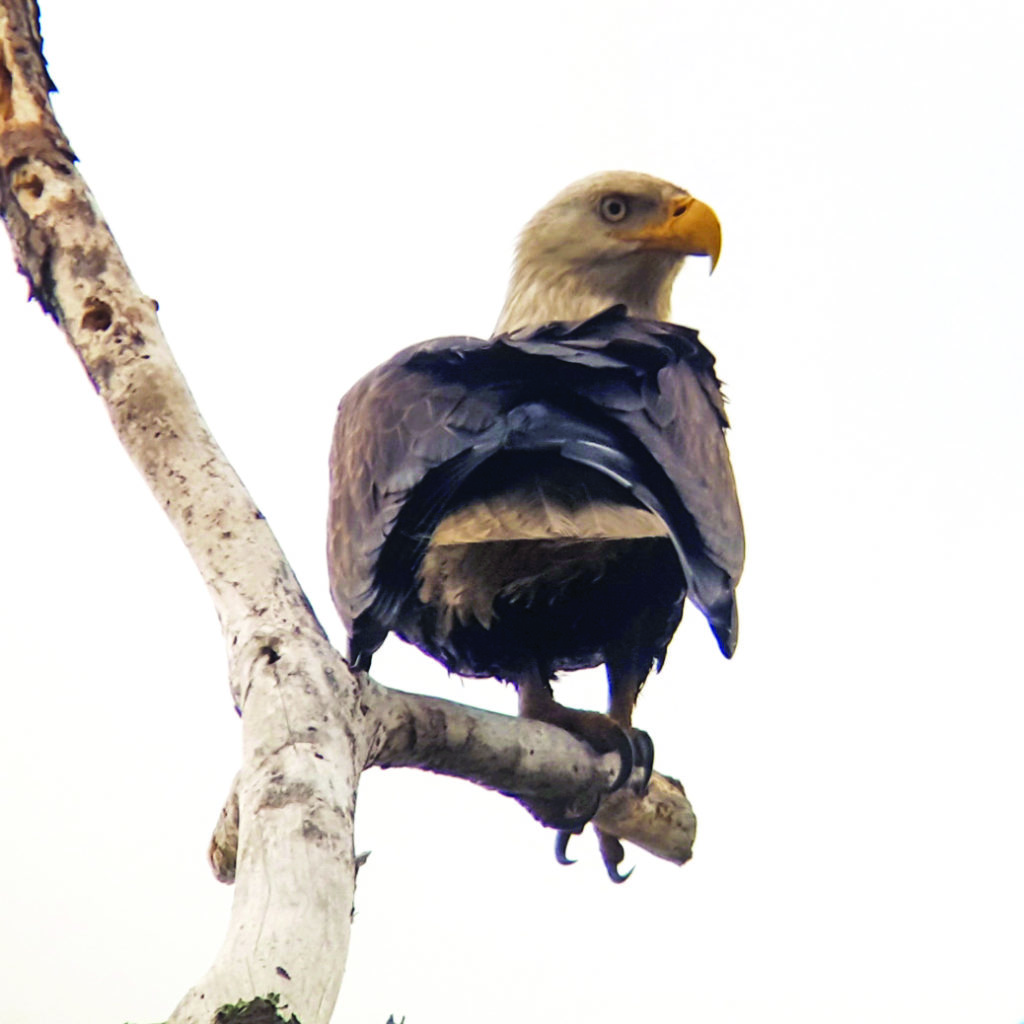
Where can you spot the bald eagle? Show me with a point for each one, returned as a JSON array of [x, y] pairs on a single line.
[[545, 499]]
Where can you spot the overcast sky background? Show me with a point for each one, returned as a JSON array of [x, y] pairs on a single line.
[[306, 195]]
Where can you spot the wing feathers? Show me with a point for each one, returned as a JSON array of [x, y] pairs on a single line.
[[636, 399]]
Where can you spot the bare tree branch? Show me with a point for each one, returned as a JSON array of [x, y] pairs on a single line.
[[309, 724], [531, 760]]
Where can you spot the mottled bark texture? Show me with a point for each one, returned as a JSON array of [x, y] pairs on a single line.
[[310, 726]]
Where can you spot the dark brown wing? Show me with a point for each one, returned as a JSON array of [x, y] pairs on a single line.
[[393, 427], [664, 391], [637, 400]]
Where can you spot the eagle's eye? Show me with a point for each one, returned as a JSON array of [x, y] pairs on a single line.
[[614, 208]]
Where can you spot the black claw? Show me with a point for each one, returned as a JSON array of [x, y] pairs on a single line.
[[643, 756], [562, 847], [612, 854], [624, 748], [613, 874]]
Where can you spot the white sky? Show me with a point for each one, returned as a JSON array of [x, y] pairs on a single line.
[[306, 196]]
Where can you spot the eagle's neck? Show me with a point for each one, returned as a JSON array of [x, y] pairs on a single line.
[[542, 291]]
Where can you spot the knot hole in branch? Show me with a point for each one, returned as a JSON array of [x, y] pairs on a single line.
[[98, 316]]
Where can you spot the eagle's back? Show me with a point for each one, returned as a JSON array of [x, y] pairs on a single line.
[[556, 489]]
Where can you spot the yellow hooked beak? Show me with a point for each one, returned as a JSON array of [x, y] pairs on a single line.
[[689, 227]]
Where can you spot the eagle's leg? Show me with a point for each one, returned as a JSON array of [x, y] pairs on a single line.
[[569, 820], [625, 678], [624, 682], [599, 731]]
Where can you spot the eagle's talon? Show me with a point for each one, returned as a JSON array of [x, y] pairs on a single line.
[[613, 874], [643, 757], [562, 846], [624, 748], [612, 854]]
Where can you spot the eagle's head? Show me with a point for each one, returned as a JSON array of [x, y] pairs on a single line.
[[614, 237]]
